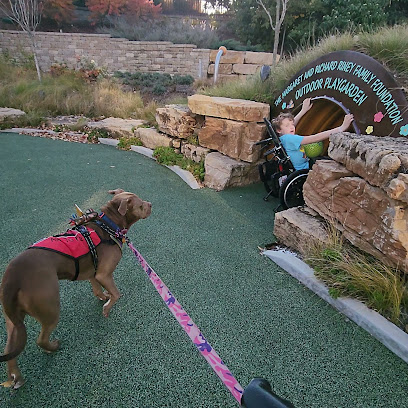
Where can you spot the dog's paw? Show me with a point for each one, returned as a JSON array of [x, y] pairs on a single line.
[[7, 384], [104, 297], [106, 308]]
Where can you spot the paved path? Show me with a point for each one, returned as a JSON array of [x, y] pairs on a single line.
[[203, 244]]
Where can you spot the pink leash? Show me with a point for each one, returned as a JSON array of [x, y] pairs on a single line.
[[191, 329]]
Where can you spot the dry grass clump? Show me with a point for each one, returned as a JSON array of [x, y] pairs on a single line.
[[65, 94], [350, 272]]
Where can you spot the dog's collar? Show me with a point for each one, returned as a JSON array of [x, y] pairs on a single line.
[[116, 233]]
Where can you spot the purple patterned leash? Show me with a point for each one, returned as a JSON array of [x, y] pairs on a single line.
[[191, 329]]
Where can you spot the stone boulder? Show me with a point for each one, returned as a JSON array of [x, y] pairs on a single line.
[[117, 127], [226, 108], [176, 120], [377, 160], [300, 227], [367, 216], [10, 113], [231, 57], [222, 172], [235, 139], [193, 152], [151, 138]]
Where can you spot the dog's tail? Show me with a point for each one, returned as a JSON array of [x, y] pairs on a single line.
[[18, 336]]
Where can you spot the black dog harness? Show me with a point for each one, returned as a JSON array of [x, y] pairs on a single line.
[[116, 234]]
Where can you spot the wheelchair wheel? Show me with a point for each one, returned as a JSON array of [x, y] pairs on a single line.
[[291, 190]]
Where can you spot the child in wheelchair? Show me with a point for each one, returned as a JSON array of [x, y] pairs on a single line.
[[286, 165], [285, 125]]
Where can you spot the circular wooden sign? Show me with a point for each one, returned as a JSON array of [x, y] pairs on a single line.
[[347, 81]]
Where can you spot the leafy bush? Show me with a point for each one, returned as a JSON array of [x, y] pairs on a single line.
[[167, 156], [177, 32], [153, 82], [350, 272], [126, 142]]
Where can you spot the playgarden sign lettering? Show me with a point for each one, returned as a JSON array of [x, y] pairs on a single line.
[[359, 83]]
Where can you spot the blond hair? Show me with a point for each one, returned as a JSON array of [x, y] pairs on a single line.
[[276, 122]]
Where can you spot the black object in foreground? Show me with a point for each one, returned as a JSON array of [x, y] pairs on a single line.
[[259, 394]]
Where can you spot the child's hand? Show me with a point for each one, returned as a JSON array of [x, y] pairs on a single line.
[[348, 119], [306, 105]]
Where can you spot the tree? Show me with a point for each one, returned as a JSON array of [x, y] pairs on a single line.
[[58, 10], [134, 8], [27, 14], [345, 15], [281, 7]]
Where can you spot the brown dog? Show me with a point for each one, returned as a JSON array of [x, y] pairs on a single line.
[[30, 283]]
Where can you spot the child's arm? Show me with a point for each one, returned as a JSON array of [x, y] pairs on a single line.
[[306, 105], [318, 137]]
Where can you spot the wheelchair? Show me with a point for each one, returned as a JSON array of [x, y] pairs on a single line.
[[277, 173]]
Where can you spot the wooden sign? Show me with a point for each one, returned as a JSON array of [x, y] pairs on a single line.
[[347, 81]]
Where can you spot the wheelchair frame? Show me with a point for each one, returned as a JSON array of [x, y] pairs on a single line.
[[277, 173]]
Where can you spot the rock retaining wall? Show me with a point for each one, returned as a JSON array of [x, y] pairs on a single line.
[[119, 54], [363, 193], [222, 132]]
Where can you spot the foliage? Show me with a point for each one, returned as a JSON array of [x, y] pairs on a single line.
[[167, 156], [131, 8], [387, 45], [348, 14], [349, 272], [67, 94], [163, 29], [93, 134], [28, 120], [153, 82], [307, 21], [58, 10], [126, 142]]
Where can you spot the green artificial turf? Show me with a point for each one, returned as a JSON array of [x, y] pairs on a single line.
[[203, 245]]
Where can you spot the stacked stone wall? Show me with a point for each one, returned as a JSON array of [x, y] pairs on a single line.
[[119, 54]]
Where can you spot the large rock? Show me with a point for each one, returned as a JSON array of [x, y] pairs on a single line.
[[235, 139], [300, 227], [226, 108], [368, 217], [259, 58], [231, 57], [10, 113], [176, 120], [151, 138], [117, 127], [222, 172], [376, 159], [193, 152]]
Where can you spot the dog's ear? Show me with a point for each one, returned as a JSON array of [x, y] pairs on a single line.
[[123, 206], [117, 191]]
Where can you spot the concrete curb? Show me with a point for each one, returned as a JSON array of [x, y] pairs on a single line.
[[383, 330], [107, 141]]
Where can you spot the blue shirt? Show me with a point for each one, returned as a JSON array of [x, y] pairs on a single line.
[[294, 149]]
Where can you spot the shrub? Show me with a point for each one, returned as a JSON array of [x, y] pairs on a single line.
[[350, 272], [167, 156], [126, 142], [178, 32]]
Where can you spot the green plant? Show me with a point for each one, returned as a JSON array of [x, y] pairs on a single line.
[[28, 120], [193, 139], [349, 272], [126, 142], [167, 156], [94, 134]]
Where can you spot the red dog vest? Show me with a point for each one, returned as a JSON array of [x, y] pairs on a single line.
[[71, 244]]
